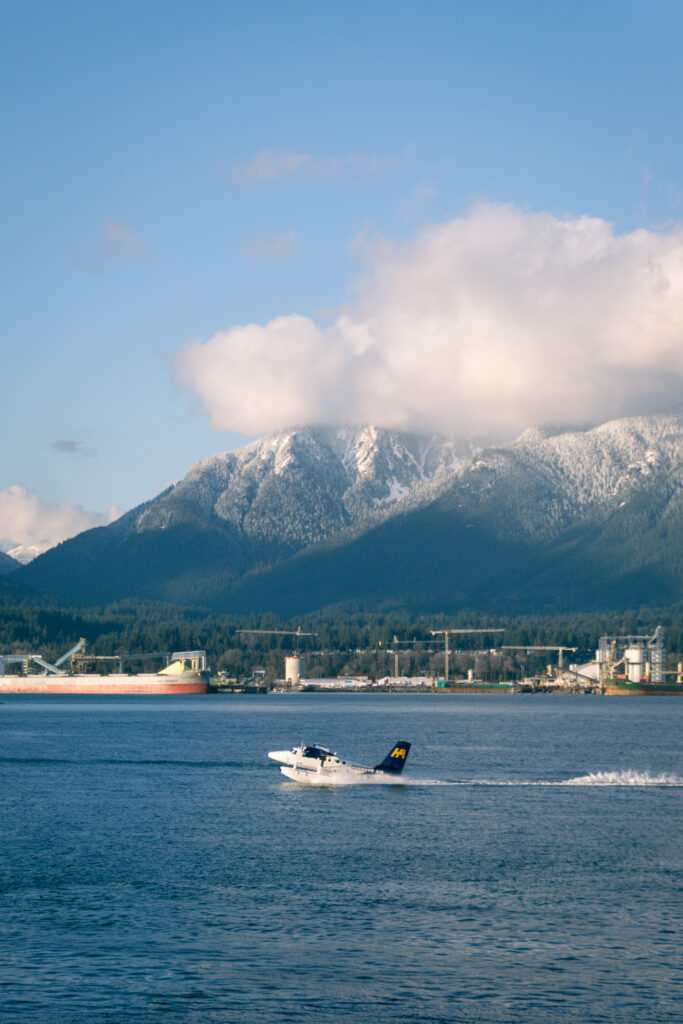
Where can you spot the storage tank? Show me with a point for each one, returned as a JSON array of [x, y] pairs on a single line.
[[634, 663], [294, 670]]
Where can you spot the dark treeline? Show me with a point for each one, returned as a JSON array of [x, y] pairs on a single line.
[[344, 642]]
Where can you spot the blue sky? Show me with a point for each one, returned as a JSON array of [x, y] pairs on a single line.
[[171, 171]]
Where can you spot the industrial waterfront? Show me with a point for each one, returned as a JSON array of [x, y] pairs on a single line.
[[635, 665]]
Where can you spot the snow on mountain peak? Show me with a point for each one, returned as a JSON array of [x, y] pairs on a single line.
[[299, 486]]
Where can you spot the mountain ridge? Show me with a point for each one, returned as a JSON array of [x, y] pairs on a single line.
[[240, 526], [8, 564]]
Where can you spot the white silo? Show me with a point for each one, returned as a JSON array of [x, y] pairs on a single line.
[[634, 663], [294, 671]]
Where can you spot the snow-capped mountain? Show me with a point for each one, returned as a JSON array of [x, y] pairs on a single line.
[[550, 522], [296, 487], [312, 517], [545, 482], [25, 553]]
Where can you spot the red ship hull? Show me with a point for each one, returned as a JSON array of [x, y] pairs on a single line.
[[114, 684]]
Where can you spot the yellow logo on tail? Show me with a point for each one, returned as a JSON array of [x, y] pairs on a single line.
[[398, 752]]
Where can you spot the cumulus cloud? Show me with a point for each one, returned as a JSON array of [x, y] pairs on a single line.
[[484, 325], [270, 247], [29, 525], [274, 164]]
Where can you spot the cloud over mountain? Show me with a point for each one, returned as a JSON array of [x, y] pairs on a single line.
[[29, 526], [487, 324]]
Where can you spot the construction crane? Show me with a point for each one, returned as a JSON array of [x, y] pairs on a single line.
[[298, 632], [278, 632], [446, 633], [393, 650], [536, 647]]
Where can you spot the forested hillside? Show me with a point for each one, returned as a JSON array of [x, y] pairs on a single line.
[[342, 643]]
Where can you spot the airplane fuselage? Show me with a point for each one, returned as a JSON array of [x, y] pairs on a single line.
[[315, 763]]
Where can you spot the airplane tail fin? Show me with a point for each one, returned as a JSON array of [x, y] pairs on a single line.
[[396, 759]]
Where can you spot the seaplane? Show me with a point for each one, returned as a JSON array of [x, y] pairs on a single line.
[[318, 764]]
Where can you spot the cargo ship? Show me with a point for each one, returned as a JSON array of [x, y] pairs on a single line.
[[186, 673], [473, 686], [625, 687], [152, 685]]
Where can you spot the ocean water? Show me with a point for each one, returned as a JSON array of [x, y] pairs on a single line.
[[156, 867]]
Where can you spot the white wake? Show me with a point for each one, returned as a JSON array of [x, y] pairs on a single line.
[[625, 778], [629, 778]]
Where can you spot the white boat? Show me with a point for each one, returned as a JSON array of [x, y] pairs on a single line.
[[318, 764]]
